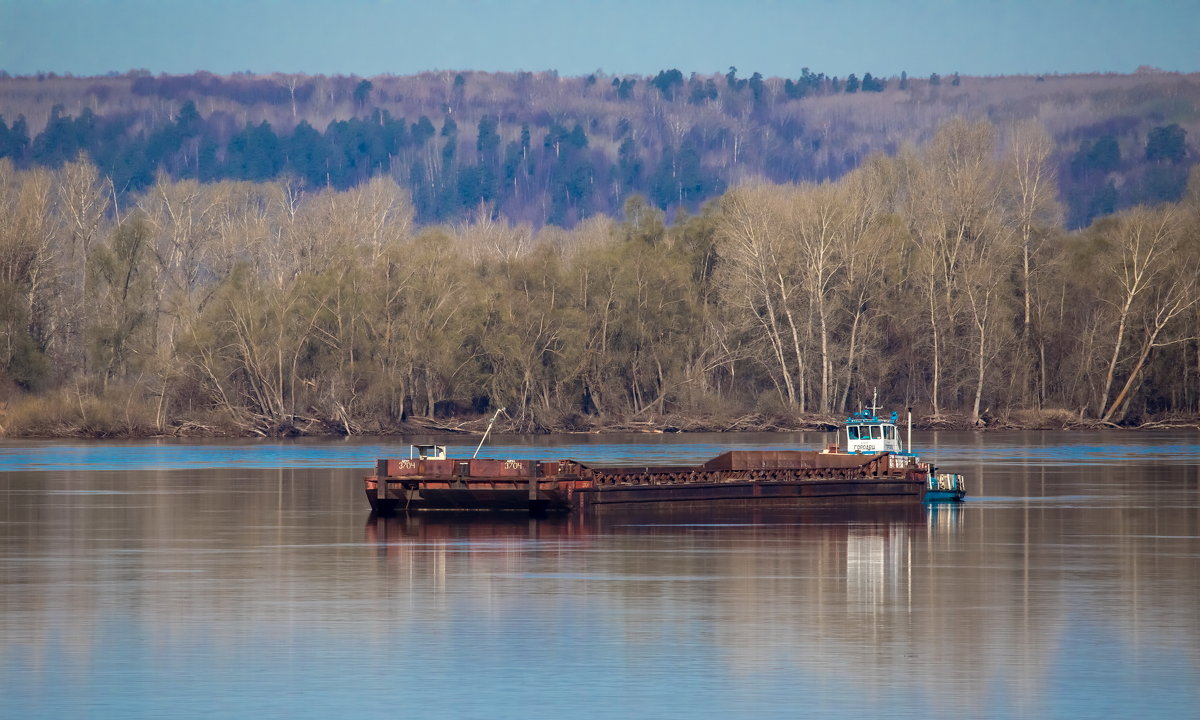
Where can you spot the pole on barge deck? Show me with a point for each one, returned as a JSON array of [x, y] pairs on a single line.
[[486, 432]]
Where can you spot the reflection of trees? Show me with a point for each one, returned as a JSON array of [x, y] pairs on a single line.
[[954, 602]]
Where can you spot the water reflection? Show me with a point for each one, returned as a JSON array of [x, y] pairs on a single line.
[[1053, 592]]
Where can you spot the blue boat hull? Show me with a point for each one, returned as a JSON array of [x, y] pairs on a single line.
[[932, 496]]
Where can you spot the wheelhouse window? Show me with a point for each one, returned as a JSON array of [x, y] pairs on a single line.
[[889, 432], [875, 432], [852, 432]]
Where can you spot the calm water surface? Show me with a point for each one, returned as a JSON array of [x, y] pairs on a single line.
[[167, 579]]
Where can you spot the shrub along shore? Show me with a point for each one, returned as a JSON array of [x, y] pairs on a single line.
[[33, 419]]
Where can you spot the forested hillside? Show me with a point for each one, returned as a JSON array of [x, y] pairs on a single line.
[[940, 273], [541, 149]]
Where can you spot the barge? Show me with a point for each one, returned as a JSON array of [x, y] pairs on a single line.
[[872, 467]]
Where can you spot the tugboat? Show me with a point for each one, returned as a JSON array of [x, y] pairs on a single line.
[[867, 433], [872, 467]]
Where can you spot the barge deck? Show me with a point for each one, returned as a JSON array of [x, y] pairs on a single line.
[[735, 478]]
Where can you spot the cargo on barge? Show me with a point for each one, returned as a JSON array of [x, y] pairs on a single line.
[[872, 467]]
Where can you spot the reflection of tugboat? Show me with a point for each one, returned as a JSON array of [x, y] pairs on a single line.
[[944, 518], [873, 467]]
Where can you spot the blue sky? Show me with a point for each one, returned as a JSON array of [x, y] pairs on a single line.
[[774, 37]]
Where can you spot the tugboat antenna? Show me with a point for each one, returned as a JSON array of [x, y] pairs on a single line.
[[874, 407]]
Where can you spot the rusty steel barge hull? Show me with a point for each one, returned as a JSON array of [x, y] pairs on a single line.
[[734, 479], [731, 494]]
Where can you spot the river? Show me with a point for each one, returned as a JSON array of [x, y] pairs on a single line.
[[247, 579]]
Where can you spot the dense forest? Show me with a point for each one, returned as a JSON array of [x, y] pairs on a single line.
[[537, 149], [943, 274]]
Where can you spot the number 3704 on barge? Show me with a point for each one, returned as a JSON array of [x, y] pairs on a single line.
[[871, 466]]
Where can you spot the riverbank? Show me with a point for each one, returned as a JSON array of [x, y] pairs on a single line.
[[93, 419], [1017, 420]]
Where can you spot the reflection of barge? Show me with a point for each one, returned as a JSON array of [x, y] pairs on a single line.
[[871, 468]]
